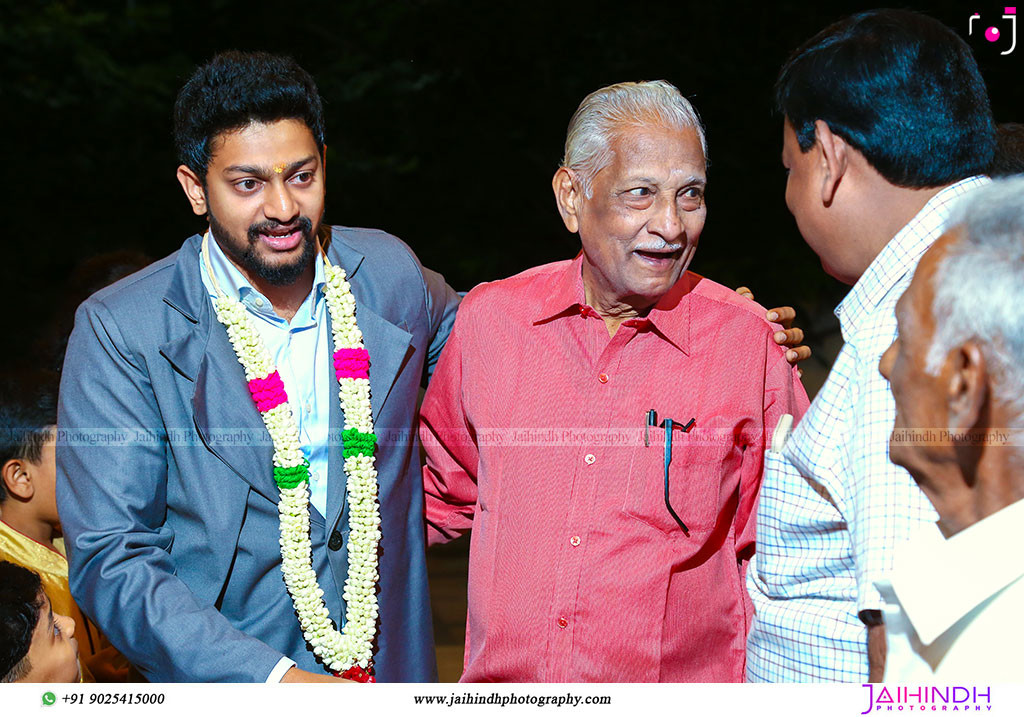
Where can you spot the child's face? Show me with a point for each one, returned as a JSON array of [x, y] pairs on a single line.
[[44, 479], [53, 654]]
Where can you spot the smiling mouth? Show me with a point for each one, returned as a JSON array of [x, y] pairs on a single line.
[[658, 257], [282, 238]]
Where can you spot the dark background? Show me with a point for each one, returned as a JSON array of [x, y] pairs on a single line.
[[445, 123]]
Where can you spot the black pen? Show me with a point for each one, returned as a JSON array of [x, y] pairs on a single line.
[[652, 420]]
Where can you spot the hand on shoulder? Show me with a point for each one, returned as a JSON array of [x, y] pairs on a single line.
[[791, 336]]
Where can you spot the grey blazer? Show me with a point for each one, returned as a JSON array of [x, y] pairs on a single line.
[[164, 476]]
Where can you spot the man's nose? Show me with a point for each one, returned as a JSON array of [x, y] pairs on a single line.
[[279, 203], [666, 221], [885, 365]]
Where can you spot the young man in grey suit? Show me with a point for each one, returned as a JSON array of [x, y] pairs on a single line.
[[168, 480]]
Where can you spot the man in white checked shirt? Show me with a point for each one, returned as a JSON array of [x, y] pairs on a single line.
[[887, 123]]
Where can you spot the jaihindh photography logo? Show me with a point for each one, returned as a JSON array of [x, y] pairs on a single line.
[[928, 698]]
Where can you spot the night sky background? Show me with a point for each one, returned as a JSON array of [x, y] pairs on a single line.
[[445, 123]]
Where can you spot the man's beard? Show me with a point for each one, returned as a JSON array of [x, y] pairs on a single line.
[[248, 259]]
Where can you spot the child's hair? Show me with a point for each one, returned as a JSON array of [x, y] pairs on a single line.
[[21, 598], [28, 413]]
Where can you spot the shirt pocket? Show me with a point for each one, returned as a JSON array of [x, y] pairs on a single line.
[[695, 481]]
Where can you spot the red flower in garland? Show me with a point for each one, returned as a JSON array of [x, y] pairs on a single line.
[[358, 674]]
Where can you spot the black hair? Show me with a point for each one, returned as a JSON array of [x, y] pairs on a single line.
[[1009, 159], [21, 599], [900, 87], [28, 412], [237, 88]]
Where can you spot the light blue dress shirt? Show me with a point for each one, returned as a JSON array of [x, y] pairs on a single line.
[[301, 353]]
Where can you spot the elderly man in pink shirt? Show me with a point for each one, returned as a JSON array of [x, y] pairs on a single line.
[[600, 424]]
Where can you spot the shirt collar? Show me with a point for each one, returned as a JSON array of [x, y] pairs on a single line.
[[670, 317], [938, 580], [900, 256], [234, 284], [565, 293]]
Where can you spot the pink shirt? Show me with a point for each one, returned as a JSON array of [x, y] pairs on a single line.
[[534, 430]]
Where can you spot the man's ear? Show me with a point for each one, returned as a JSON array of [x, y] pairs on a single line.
[[568, 195], [834, 159], [193, 186], [968, 387], [16, 478]]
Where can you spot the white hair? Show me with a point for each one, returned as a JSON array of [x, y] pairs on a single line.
[[979, 286], [607, 110]]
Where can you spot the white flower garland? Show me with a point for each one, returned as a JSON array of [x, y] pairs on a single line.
[[352, 647]]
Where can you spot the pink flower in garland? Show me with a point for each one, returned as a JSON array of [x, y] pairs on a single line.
[[268, 393], [352, 363]]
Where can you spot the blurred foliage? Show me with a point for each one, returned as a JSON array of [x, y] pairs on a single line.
[[445, 122]]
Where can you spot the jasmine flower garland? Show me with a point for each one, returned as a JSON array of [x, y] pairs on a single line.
[[348, 653]]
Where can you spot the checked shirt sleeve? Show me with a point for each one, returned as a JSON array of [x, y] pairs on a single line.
[[887, 504]]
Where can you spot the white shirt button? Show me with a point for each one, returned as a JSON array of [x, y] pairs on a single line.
[[589, 459], [258, 302]]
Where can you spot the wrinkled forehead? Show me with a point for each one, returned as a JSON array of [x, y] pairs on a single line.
[[638, 146]]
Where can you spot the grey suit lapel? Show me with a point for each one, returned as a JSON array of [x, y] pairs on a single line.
[[388, 346], [225, 416], [227, 419]]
